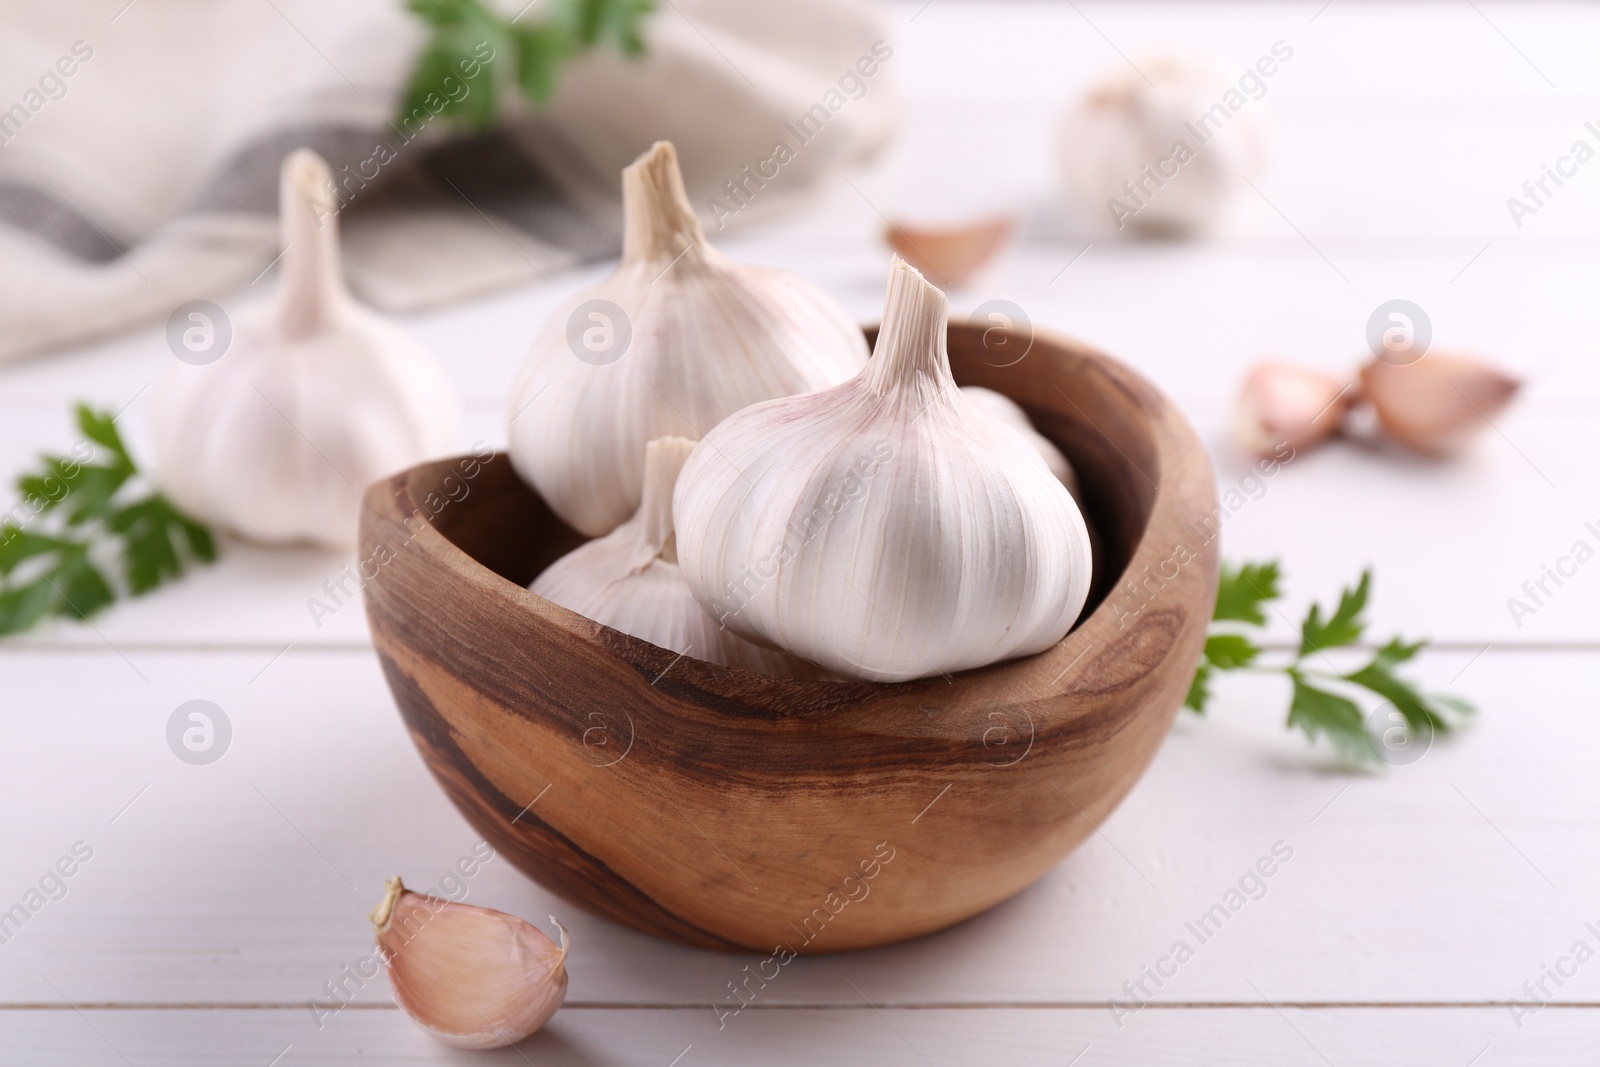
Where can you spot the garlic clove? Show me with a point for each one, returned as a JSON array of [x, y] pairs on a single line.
[[473, 977], [1009, 413], [951, 255], [1129, 154], [315, 398], [1439, 403], [630, 580], [705, 336], [884, 528], [1281, 404]]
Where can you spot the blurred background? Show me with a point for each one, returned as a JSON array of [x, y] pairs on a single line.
[[1375, 163]]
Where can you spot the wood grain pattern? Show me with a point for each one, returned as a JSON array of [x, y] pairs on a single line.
[[727, 809]]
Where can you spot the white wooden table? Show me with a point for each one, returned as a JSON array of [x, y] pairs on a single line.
[[221, 900]]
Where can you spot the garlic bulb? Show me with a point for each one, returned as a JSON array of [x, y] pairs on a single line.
[[629, 580], [1162, 156], [883, 528], [673, 342], [316, 397], [1439, 403], [1009, 413], [470, 976], [1283, 404]]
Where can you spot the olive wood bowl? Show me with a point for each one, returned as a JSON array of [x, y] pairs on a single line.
[[735, 811]]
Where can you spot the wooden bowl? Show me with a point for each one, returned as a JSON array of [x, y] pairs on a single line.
[[735, 811]]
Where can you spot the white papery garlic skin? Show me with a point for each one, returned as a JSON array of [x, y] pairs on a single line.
[[472, 977], [630, 581], [1009, 413], [1126, 124], [884, 528], [708, 337], [315, 398]]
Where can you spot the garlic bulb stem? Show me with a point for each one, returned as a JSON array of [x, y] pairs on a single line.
[[910, 356], [658, 222], [663, 459], [313, 283]]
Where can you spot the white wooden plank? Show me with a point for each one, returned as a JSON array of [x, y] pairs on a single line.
[[687, 1038], [1454, 879]]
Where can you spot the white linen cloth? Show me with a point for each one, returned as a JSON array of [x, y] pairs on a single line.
[[140, 144]]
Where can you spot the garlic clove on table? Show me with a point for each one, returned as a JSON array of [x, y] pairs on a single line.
[[1282, 404], [316, 397], [473, 977], [629, 580], [1439, 403], [883, 528], [705, 336], [951, 255], [1009, 413]]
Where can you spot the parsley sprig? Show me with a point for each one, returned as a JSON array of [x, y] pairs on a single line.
[[526, 52], [1317, 706], [81, 516]]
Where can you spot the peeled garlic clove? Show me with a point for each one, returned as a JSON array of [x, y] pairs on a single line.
[[1282, 404], [470, 976], [1130, 155], [630, 580], [951, 255], [883, 528], [1009, 413], [315, 398], [705, 337], [1439, 403]]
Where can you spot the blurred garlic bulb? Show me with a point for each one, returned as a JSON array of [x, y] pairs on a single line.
[[1283, 404], [1163, 156], [470, 976], [629, 580], [1439, 403], [678, 338], [1009, 413], [316, 397], [883, 528]]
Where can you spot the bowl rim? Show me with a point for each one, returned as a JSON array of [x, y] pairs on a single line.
[[1181, 479]]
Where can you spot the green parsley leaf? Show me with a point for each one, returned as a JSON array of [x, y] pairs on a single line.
[[1199, 691], [1344, 627], [1314, 710], [474, 51], [80, 513], [1241, 592], [1379, 677], [540, 54], [1452, 703], [1230, 651], [1317, 711]]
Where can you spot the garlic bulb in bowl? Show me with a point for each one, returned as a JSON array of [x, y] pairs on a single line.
[[629, 580], [316, 397], [678, 338], [884, 528], [1009, 413], [1162, 156]]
